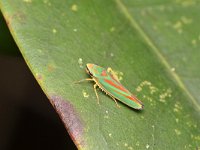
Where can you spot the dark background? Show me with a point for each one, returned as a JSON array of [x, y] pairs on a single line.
[[27, 119]]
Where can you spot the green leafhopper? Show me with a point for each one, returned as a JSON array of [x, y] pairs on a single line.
[[109, 83]]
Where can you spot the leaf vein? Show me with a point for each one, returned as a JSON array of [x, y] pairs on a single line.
[[147, 39]]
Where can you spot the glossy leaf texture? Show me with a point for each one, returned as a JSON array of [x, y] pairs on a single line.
[[153, 46]]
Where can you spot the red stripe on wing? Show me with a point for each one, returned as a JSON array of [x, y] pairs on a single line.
[[120, 87], [132, 98]]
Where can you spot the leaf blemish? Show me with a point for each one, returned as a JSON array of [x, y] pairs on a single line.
[[112, 29], [51, 67], [186, 3], [54, 31], [125, 144], [106, 116], [47, 2], [74, 8], [137, 143], [153, 90], [178, 27], [186, 20], [153, 138], [38, 76], [111, 54], [178, 132], [85, 94], [130, 147], [177, 107], [18, 16], [80, 62], [173, 69], [164, 95], [151, 87], [194, 42], [70, 118], [147, 146], [191, 124], [27, 1], [110, 134], [197, 138]]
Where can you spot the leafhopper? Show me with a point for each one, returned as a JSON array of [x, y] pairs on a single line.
[[108, 82]]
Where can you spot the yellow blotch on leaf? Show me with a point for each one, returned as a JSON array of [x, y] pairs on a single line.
[[74, 7]]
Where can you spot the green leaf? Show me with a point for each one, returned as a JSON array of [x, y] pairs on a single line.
[[152, 45]]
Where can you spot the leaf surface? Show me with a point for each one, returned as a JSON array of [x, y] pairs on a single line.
[[153, 47]]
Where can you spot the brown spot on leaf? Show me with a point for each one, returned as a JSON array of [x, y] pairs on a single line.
[[70, 119], [16, 17], [7, 19], [20, 17], [38, 76], [50, 68]]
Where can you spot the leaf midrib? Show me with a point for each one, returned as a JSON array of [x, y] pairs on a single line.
[[155, 49]]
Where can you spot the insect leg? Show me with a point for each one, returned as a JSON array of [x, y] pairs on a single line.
[[95, 90], [88, 79], [115, 101]]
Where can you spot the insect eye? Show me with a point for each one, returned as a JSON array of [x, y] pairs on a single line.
[[88, 71]]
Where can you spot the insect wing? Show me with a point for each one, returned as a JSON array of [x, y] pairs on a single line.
[[114, 88]]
